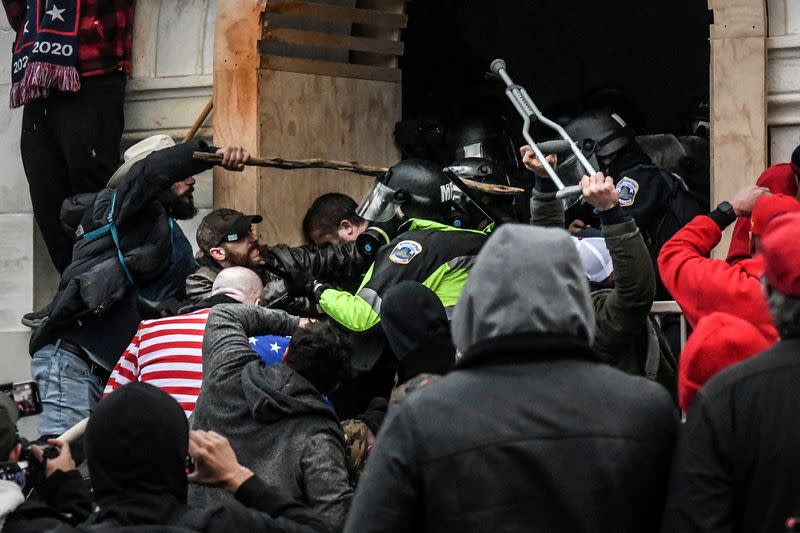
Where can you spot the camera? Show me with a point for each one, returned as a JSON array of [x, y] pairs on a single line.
[[28, 472], [25, 395]]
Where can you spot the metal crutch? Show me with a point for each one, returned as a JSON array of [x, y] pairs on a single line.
[[529, 112]]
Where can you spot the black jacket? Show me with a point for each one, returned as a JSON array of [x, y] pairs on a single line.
[[62, 498], [341, 265], [258, 507], [95, 305], [530, 432], [737, 466], [658, 200], [137, 441]]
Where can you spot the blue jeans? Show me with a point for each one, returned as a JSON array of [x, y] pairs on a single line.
[[68, 388]]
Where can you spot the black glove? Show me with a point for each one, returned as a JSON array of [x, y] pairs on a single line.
[[299, 283]]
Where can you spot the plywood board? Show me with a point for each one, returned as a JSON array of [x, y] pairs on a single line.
[[738, 117], [331, 68], [236, 61], [236, 122], [337, 13], [312, 116]]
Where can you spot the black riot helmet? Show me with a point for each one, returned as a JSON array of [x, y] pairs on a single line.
[[413, 188], [490, 195], [410, 189], [483, 136], [600, 132]]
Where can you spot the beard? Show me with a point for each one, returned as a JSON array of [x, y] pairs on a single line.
[[245, 259], [182, 207]]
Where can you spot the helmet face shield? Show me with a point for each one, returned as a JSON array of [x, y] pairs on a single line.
[[379, 205]]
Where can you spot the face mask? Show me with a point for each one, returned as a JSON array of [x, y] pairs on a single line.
[[376, 235]]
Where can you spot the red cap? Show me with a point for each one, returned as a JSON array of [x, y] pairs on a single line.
[[719, 341], [780, 247], [768, 207]]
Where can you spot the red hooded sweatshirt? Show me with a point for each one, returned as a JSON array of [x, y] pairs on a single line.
[[778, 179], [702, 286]]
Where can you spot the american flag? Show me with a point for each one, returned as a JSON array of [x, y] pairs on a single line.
[[270, 347]]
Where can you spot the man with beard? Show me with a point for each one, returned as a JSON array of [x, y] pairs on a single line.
[[226, 239], [129, 252]]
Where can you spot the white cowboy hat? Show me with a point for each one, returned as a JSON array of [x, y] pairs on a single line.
[[139, 151]]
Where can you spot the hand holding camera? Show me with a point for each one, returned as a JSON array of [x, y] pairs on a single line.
[[55, 456]]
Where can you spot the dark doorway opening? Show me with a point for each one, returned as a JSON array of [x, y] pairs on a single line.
[[565, 52]]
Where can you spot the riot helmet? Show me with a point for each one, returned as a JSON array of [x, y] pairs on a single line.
[[413, 188], [483, 136], [483, 191], [600, 132]]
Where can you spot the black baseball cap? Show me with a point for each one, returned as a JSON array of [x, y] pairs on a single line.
[[224, 225]]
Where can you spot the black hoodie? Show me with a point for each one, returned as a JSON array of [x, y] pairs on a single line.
[[417, 329], [136, 445]]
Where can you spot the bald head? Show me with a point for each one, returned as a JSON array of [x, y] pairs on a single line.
[[239, 283]]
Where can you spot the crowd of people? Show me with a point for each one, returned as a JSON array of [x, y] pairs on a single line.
[[449, 353]]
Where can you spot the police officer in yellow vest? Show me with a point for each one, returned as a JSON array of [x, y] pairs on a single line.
[[423, 228]]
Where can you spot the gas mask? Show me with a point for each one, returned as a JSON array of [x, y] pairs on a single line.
[[381, 208]]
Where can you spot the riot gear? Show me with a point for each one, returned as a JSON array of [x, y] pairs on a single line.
[[482, 137], [472, 206], [414, 188], [600, 132]]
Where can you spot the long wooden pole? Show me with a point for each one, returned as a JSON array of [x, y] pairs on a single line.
[[292, 164], [346, 166], [199, 121]]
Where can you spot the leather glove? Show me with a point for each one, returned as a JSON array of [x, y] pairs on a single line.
[[299, 283]]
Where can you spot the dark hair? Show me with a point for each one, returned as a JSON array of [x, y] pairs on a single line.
[[320, 353], [328, 211]]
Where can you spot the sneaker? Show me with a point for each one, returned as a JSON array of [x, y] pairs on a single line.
[[35, 319]]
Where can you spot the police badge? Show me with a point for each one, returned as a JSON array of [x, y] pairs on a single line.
[[404, 252], [627, 189]]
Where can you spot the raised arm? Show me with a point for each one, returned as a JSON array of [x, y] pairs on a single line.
[[546, 211], [623, 312], [702, 285], [226, 346]]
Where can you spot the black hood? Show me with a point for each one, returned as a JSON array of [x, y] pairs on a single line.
[[417, 329], [136, 445]]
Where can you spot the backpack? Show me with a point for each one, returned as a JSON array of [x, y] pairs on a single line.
[[77, 220]]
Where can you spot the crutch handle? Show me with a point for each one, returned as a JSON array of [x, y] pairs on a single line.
[[554, 147], [572, 190]]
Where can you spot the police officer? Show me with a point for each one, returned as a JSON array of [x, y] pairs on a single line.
[[422, 228], [657, 200]]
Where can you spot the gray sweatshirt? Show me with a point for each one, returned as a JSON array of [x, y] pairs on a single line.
[[276, 421]]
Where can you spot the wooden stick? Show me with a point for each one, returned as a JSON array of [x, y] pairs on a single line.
[[293, 164], [491, 188], [199, 121], [345, 166]]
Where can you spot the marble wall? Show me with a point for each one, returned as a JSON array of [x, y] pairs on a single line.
[[783, 78], [170, 84]]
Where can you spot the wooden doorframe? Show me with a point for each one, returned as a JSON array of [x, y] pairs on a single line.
[[738, 94]]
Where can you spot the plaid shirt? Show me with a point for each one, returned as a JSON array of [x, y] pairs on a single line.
[[104, 38]]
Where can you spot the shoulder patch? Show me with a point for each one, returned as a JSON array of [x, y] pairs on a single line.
[[404, 252], [627, 189]]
